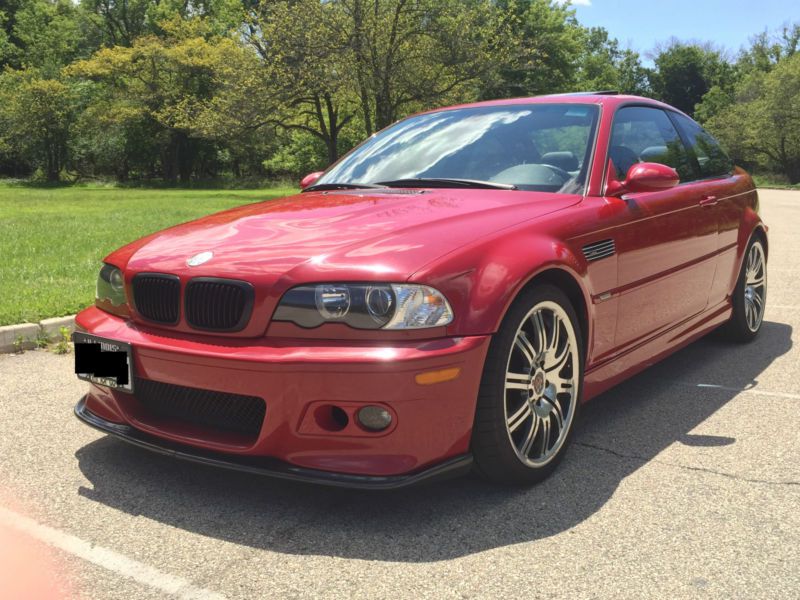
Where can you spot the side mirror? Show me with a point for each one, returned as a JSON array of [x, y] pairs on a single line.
[[643, 177], [310, 179]]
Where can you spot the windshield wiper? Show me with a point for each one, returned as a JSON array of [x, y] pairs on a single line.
[[341, 186], [446, 182]]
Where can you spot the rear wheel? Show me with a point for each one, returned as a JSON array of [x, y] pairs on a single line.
[[530, 390], [750, 296]]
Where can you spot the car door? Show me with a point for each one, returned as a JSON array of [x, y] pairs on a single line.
[[667, 241], [724, 198]]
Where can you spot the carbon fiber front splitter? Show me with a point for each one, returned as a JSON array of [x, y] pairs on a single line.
[[271, 467]]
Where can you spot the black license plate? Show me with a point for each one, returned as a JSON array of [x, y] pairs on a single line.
[[103, 361]]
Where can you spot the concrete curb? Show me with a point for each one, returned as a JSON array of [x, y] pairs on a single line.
[[25, 335]]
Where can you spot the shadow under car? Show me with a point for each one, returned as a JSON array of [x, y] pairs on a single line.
[[619, 432]]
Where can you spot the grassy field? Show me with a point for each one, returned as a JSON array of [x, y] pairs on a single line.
[[53, 239]]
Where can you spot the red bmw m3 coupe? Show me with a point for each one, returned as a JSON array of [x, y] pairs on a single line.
[[443, 298]]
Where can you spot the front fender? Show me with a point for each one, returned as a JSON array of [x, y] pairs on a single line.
[[482, 280]]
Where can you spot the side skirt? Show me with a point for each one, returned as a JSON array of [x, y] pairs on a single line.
[[607, 375]]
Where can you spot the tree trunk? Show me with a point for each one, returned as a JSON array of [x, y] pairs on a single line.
[[52, 163], [185, 157], [792, 172], [168, 161], [384, 111], [123, 171], [358, 50], [333, 130]]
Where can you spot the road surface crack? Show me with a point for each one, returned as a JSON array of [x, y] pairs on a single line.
[[644, 460]]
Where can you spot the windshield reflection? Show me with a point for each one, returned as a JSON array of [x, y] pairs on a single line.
[[541, 147]]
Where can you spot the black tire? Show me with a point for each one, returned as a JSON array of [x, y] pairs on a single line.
[[500, 452], [741, 327]]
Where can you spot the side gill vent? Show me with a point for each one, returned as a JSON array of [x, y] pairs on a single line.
[[598, 250]]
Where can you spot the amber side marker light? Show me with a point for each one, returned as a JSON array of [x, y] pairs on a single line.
[[440, 376]]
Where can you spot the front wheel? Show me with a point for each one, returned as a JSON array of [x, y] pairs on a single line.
[[530, 390], [750, 295]]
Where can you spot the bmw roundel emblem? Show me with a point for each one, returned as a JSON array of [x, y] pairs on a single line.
[[199, 259]]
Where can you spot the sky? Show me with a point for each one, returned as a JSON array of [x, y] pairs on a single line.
[[640, 24]]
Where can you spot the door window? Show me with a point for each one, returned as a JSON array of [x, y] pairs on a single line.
[[712, 160], [642, 134]]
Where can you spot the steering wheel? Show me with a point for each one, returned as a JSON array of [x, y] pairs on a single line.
[[564, 175]]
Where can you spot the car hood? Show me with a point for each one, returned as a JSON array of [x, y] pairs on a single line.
[[354, 235]]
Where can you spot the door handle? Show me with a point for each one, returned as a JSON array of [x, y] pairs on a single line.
[[708, 201]]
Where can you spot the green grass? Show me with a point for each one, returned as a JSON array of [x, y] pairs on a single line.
[[52, 239]]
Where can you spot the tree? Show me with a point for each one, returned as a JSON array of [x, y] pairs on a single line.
[[49, 35], [764, 120], [120, 22], [408, 55], [36, 114], [164, 84], [604, 66], [377, 59], [684, 73], [546, 46], [767, 50], [632, 77], [9, 43], [301, 74]]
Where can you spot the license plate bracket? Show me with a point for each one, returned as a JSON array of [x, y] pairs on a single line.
[[104, 361]]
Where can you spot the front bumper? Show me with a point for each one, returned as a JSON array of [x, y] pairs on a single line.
[[429, 437], [270, 467]]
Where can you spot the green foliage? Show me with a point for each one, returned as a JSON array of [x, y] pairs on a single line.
[[7, 49], [42, 340], [411, 55], [767, 50], [50, 33], [546, 47], [63, 345], [686, 72], [194, 90], [763, 121], [369, 60], [36, 114], [605, 66], [300, 152], [162, 87]]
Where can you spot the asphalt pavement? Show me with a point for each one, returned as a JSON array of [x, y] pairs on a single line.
[[683, 482]]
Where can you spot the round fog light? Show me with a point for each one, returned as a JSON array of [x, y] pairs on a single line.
[[374, 418]]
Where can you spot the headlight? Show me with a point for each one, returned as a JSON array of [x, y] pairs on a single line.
[[110, 292], [365, 306]]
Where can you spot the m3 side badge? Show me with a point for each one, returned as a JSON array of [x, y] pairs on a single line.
[[199, 259]]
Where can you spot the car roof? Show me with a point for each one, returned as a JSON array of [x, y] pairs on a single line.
[[606, 99]]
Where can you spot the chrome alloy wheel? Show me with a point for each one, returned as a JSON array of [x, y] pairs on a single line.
[[541, 384], [755, 286]]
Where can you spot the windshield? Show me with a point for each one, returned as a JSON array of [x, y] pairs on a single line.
[[540, 147]]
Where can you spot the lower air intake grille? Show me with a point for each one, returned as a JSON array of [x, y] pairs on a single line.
[[218, 304], [216, 410], [157, 297]]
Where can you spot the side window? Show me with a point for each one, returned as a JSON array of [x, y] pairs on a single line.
[[712, 159], [642, 134]]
